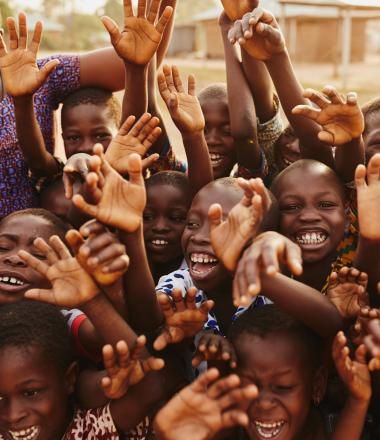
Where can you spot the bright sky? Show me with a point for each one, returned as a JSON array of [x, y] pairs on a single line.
[[88, 6]]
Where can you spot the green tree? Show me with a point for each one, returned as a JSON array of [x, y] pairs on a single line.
[[5, 11]]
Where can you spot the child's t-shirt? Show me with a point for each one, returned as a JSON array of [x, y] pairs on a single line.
[[16, 187], [97, 424]]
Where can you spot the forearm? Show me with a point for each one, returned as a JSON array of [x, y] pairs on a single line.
[[89, 392], [348, 157], [198, 160], [290, 92], [304, 303], [30, 138], [143, 309], [135, 100], [166, 37], [351, 420], [261, 86], [368, 260]]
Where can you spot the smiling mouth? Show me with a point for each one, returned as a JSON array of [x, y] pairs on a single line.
[[160, 242], [216, 159], [31, 433], [269, 430], [202, 264], [11, 281], [311, 238]]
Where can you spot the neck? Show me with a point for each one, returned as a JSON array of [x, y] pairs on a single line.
[[160, 269], [224, 308], [315, 274]]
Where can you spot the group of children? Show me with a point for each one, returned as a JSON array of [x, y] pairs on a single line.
[[232, 297]]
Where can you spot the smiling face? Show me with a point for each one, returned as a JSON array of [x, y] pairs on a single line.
[[16, 233], [278, 365], [287, 149], [220, 143], [312, 209], [85, 125], [33, 395], [205, 270], [164, 221]]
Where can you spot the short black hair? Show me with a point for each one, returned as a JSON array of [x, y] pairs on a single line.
[[58, 224], [35, 324], [214, 91], [370, 108], [171, 178], [95, 96], [264, 320]]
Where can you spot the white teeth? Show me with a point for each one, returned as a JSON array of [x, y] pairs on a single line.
[[269, 430], [12, 281], [25, 434], [311, 238], [160, 242], [215, 156], [202, 258]]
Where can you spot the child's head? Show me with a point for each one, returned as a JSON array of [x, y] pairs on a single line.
[[220, 143], [205, 270], [312, 205], [36, 371], [283, 359], [371, 135], [168, 200], [89, 116], [18, 231], [52, 198], [287, 149]]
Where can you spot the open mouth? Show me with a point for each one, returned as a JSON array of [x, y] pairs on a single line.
[[311, 238], [216, 159], [31, 433], [202, 264], [269, 429], [12, 281], [159, 243]]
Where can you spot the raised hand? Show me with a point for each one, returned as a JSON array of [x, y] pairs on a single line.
[[229, 237], [120, 202], [235, 9], [76, 169], [183, 106], [372, 342], [359, 330], [353, 372], [183, 319], [267, 253], [259, 34], [126, 368], [20, 73], [72, 286], [141, 34], [99, 252], [368, 193], [205, 407], [347, 291], [133, 137], [340, 117], [215, 348]]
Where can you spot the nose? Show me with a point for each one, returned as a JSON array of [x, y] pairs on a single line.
[[160, 225], [14, 260], [265, 401], [202, 234], [212, 136], [86, 146], [309, 214], [13, 414]]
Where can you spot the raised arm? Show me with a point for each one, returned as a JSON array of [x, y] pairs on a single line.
[[22, 78]]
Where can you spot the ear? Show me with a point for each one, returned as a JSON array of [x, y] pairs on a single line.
[[70, 378], [319, 385]]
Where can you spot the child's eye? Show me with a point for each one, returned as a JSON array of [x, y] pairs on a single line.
[[148, 217], [290, 207], [31, 393], [226, 130], [192, 225], [72, 138], [102, 136], [282, 388], [177, 219], [327, 205]]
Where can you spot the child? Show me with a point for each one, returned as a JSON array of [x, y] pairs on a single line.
[[371, 132], [286, 149], [168, 200], [89, 116]]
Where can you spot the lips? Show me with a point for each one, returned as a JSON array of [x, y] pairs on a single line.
[[30, 433], [269, 430], [159, 242], [202, 264], [216, 159], [10, 281], [311, 238]]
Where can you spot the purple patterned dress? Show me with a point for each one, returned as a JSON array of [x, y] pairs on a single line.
[[16, 187]]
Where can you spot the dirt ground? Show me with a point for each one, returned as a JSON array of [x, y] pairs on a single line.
[[364, 78]]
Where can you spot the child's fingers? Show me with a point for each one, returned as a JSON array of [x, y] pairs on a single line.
[[293, 257], [190, 298], [149, 161], [326, 137], [136, 128], [36, 39], [141, 8], [13, 37], [134, 168], [352, 275], [75, 240], [163, 87], [59, 247], [341, 276], [165, 304], [43, 295], [81, 204], [239, 397], [228, 352], [23, 30], [139, 347], [306, 111], [153, 11], [206, 306], [91, 188], [92, 227], [333, 95], [3, 47], [47, 69], [127, 126], [215, 216], [352, 98], [177, 80], [108, 254], [223, 386], [374, 328], [97, 242], [197, 359], [163, 340], [360, 174], [168, 78], [164, 19], [123, 354], [128, 10], [372, 346], [373, 168], [152, 137], [46, 250], [112, 29], [121, 264], [234, 417], [147, 129], [106, 384], [109, 360], [361, 354], [178, 300], [33, 262], [200, 384], [191, 85]]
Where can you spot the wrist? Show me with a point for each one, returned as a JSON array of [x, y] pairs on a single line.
[[190, 136], [23, 100], [279, 57], [93, 305], [130, 66], [361, 403]]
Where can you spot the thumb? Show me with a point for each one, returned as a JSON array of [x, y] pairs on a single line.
[[149, 161], [44, 295], [74, 239], [47, 69], [112, 28], [215, 216], [134, 168]]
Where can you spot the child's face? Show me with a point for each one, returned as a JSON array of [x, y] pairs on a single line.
[[206, 271], [371, 136], [16, 277], [54, 200], [220, 143], [85, 125], [33, 395], [312, 212], [288, 150], [164, 221], [277, 364]]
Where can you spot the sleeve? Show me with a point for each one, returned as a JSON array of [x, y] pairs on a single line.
[[247, 173], [179, 279], [63, 80], [75, 318]]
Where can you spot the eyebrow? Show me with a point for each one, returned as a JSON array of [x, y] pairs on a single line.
[[14, 238]]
